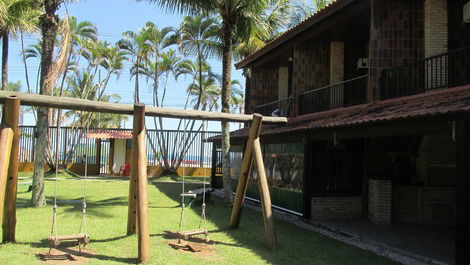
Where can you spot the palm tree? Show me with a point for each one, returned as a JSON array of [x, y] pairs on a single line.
[[237, 17], [197, 37], [135, 43], [302, 9], [18, 16], [49, 28]]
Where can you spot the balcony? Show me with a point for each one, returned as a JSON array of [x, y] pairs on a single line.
[[450, 69], [346, 93], [280, 108]]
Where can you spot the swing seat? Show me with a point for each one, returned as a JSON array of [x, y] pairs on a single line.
[[82, 239], [189, 194], [187, 234]]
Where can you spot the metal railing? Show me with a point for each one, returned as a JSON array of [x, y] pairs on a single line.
[[346, 93], [444, 70], [198, 150], [279, 108]]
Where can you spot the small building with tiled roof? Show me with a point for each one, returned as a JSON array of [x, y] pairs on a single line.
[[377, 95]]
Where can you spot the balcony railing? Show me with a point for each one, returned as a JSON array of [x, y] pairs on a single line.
[[445, 70], [346, 93], [279, 108]]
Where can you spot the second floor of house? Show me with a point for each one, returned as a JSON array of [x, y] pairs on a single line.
[[359, 51]]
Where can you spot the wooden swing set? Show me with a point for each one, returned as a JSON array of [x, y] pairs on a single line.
[[137, 221]]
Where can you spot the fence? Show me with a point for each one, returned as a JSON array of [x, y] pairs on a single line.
[[73, 145], [445, 70], [347, 93], [280, 108]]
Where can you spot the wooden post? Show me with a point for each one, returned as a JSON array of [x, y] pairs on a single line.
[[265, 196], [6, 141], [132, 208], [140, 158], [462, 235], [245, 172], [11, 118]]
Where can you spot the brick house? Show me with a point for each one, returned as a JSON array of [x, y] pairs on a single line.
[[377, 93]]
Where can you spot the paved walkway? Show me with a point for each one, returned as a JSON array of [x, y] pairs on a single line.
[[436, 242], [407, 244]]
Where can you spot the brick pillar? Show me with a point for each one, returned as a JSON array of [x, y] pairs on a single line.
[[283, 82], [336, 72], [380, 201], [435, 41]]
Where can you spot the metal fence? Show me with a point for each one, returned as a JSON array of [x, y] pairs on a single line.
[[346, 93], [445, 70], [280, 108], [198, 151]]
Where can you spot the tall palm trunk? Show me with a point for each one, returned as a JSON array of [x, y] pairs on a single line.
[[5, 60], [49, 31], [227, 53]]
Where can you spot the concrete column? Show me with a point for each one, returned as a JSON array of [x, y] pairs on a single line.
[[336, 72], [435, 41]]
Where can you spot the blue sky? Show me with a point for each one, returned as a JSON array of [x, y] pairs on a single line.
[[112, 17]]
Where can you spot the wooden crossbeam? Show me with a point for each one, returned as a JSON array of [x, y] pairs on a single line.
[[127, 109]]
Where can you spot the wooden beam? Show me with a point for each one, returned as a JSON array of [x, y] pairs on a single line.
[[6, 141], [265, 196], [12, 118], [140, 157], [127, 109], [462, 235], [245, 171]]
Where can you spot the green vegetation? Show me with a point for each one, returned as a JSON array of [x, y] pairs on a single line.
[[107, 213]]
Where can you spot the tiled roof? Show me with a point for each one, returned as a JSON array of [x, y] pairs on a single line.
[[441, 102], [109, 134], [294, 31]]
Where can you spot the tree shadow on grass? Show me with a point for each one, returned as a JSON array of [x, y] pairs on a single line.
[[295, 245], [170, 235], [67, 248], [74, 205]]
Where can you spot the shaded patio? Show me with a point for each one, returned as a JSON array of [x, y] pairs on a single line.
[[435, 242]]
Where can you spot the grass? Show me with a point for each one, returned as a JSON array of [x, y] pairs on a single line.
[[107, 213]]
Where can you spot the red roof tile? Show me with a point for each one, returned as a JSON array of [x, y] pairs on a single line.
[[434, 103], [109, 134]]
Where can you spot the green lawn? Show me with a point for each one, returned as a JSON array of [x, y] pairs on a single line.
[[107, 210]]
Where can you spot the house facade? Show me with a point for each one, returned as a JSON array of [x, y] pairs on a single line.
[[377, 94]]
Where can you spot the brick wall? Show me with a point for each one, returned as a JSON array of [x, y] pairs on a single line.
[[380, 201], [263, 86], [435, 164], [336, 72], [336, 207], [439, 205], [435, 27], [396, 37], [311, 68]]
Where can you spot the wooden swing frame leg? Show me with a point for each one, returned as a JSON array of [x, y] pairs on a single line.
[[252, 154]]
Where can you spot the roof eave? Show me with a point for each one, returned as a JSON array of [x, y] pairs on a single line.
[[296, 30]]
